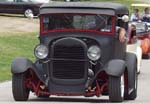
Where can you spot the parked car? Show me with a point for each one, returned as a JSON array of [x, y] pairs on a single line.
[[143, 32], [79, 54], [26, 7], [137, 50], [143, 36], [134, 44]]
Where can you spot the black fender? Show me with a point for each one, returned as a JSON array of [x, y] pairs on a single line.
[[131, 62], [115, 67], [21, 65]]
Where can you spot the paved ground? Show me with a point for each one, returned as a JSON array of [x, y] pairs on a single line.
[[143, 93]]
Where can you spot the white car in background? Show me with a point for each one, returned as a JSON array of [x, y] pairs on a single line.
[[134, 44], [136, 49]]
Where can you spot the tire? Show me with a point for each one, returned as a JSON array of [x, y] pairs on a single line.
[[133, 94], [132, 73], [20, 92], [116, 88], [28, 12]]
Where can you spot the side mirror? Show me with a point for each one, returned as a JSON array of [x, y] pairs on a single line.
[[125, 18]]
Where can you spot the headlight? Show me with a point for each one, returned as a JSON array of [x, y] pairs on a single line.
[[41, 51], [94, 53]]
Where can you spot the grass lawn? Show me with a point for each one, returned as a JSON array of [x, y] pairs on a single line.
[[14, 45]]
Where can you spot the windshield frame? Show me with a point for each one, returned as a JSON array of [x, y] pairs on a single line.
[[43, 32]]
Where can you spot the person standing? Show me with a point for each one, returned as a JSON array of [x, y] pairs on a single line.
[[135, 16], [146, 16]]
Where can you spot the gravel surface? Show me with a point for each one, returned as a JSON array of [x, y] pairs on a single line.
[[12, 23]]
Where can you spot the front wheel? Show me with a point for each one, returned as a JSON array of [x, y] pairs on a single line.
[[116, 88], [20, 92], [28, 13], [133, 94]]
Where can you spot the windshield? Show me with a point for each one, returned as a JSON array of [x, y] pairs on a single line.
[[102, 23]]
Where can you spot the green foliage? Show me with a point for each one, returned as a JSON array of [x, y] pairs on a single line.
[[13, 45], [125, 2]]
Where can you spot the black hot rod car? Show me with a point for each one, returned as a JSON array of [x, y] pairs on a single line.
[[79, 54]]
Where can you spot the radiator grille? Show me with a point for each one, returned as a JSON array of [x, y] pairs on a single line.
[[63, 52], [68, 59], [68, 69]]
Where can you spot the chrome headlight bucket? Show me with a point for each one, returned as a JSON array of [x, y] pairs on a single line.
[[41, 51], [94, 53]]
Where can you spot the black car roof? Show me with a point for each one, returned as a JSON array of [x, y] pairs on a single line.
[[118, 8]]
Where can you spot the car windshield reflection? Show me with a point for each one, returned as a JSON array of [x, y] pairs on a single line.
[[96, 22]]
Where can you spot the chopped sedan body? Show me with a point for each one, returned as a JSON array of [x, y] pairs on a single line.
[[79, 54]]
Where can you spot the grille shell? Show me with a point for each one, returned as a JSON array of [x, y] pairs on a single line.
[[69, 59]]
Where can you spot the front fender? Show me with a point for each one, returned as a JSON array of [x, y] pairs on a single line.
[[115, 67], [20, 65]]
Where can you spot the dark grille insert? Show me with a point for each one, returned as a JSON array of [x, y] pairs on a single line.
[[68, 69], [64, 52]]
